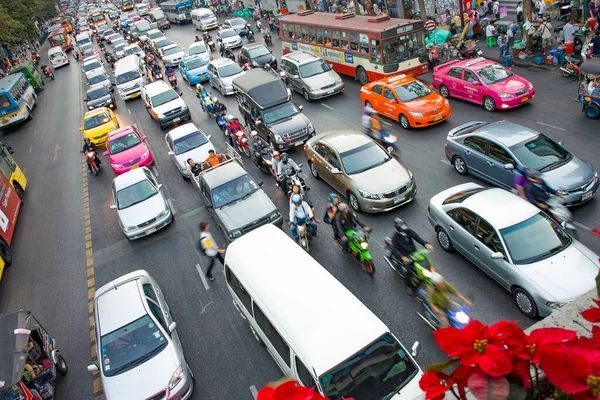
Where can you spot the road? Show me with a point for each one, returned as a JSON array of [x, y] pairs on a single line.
[[56, 266]]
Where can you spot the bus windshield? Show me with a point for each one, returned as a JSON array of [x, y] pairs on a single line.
[[402, 48], [4, 102], [183, 9]]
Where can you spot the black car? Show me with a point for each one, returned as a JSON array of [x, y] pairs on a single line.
[[257, 55], [98, 96]]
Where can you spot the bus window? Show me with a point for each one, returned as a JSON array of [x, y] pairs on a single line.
[[327, 37], [335, 38], [375, 51], [320, 36], [354, 41], [298, 34], [311, 34], [290, 31], [284, 30], [304, 33], [364, 43], [401, 48], [344, 38]]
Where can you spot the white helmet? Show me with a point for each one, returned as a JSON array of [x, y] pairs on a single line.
[[282, 74], [229, 117], [215, 100], [437, 278], [253, 133], [198, 86]]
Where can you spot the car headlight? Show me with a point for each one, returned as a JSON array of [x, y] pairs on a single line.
[[505, 95], [146, 153], [235, 234], [184, 108], [278, 138], [161, 116], [254, 64], [116, 166], [310, 127], [338, 80], [162, 213], [274, 216], [129, 228], [416, 114], [90, 107], [176, 378], [368, 195], [557, 304], [531, 86], [364, 245], [410, 176], [446, 103], [109, 101]]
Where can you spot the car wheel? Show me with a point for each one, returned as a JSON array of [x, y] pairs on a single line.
[[29, 114], [444, 240], [459, 165], [5, 253], [313, 170], [18, 190], [592, 111], [525, 303], [404, 122], [305, 94], [61, 365], [444, 91], [368, 104], [489, 104], [353, 201]]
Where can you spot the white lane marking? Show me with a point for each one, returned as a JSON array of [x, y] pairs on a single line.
[[173, 210], [38, 121], [253, 391], [552, 126], [34, 133], [446, 162], [326, 106], [129, 111], [189, 88], [202, 277], [31, 148]]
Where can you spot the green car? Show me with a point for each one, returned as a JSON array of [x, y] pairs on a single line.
[[32, 73]]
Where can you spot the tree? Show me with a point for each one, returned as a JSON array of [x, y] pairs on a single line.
[[9, 29], [18, 17], [527, 13]]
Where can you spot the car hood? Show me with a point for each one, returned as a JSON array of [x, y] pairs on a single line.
[[232, 39], [198, 154], [564, 276], [99, 130], [297, 122], [510, 85], [228, 81], [571, 175], [264, 59], [245, 212], [99, 101], [429, 103], [198, 71], [382, 179], [320, 80], [129, 154], [238, 28], [143, 381], [142, 212], [205, 56], [163, 108]]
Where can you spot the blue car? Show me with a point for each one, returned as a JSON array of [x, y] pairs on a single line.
[[194, 69]]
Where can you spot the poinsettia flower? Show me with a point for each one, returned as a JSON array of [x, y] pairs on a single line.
[[538, 338], [435, 385], [592, 314]]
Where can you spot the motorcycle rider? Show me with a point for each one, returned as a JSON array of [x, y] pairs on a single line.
[[344, 221], [332, 208], [366, 120], [89, 146], [519, 181], [233, 126], [258, 145], [403, 244], [536, 190], [169, 71], [275, 160], [286, 167], [437, 298], [301, 211], [218, 108], [155, 70]]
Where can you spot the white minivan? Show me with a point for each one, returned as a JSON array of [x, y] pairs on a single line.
[[204, 19], [82, 38], [129, 77], [141, 9], [57, 57], [314, 328]]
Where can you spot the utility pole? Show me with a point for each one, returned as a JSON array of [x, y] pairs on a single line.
[[527, 14], [422, 10], [400, 8]]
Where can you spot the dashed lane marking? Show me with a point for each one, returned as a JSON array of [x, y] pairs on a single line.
[[31, 148], [446, 162], [202, 277], [190, 89], [551, 126], [253, 391], [129, 111], [326, 106]]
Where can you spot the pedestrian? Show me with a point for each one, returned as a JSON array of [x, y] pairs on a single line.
[[503, 44], [595, 42], [541, 6], [592, 9], [211, 250], [271, 23], [569, 31], [546, 33], [491, 31], [496, 9], [520, 13], [430, 25]]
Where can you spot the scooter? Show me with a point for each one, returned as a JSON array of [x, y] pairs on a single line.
[[49, 74], [264, 160], [295, 178], [358, 245], [267, 39], [221, 122], [561, 214], [250, 36], [91, 160], [304, 233], [228, 54], [242, 142], [172, 80], [571, 66], [421, 267], [464, 53], [458, 316], [433, 56]]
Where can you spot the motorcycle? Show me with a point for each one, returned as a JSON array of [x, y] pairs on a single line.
[[246, 66], [242, 142], [561, 214], [295, 178], [229, 54], [267, 39], [421, 268], [459, 315], [433, 56], [157, 75], [76, 56], [571, 66], [265, 164], [358, 244], [91, 160], [250, 36], [464, 52], [304, 233], [211, 44], [172, 80], [48, 72], [221, 122]]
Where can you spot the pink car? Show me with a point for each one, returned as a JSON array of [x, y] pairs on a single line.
[[483, 82], [127, 150]]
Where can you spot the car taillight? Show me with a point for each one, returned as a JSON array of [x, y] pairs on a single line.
[[446, 144], [305, 147], [428, 209]]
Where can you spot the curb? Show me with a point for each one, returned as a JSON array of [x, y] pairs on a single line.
[[523, 63]]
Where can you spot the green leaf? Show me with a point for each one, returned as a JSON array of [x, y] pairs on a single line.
[[440, 367]]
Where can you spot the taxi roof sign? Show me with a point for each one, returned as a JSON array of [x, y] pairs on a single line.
[[475, 61], [396, 78]]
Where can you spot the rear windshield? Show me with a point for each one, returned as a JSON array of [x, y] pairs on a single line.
[[128, 76], [462, 196], [172, 50]]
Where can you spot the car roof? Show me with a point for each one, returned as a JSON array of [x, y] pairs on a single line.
[[301, 57], [506, 133], [95, 112], [473, 63], [130, 46], [192, 57], [184, 130], [120, 132], [155, 31], [156, 87], [228, 29], [252, 46], [394, 81], [119, 304], [129, 178], [235, 19], [343, 140], [219, 62], [196, 44], [171, 46], [223, 174]]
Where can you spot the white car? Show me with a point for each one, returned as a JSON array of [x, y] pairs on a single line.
[[230, 38], [185, 142], [200, 49], [93, 67], [164, 104], [154, 35], [238, 24], [120, 50], [141, 206], [222, 72], [118, 40], [134, 49], [139, 351], [172, 54]]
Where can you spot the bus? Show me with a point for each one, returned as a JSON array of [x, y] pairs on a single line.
[[17, 99], [178, 12], [364, 47], [59, 37], [98, 18], [127, 5], [65, 24], [10, 205]]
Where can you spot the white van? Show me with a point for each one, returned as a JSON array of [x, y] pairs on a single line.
[[314, 328], [139, 30], [141, 9], [82, 38], [57, 57], [204, 19], [129, 77]]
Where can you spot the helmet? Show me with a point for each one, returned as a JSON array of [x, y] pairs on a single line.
[[282, 74], [400, 225], [532, 174], [199, 86], [275, 154], [343, 207], [367, 110], [437, 278], [229, 117], [87, 140], [284, 158], [215, 100], [332, 197], [253, 133], [296, 199]]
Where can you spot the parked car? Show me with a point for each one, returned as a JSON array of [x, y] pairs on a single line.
[[164, 104], [222, 72], [229, 37], [99, 96], [493, 151], [185, 142], [172, 55], [310, 75], [127, 150], [257, 55], [360, 169], [194, 69], [516, 244]]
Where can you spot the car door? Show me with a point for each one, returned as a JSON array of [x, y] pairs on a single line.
[[498, 158], [376, 99], [462, 230], [487, 243], [212, 71], [474, 151], [390, 102], [455, 83], [472, 87], [183, 68], [295, 79], [340, 181], [154, 296], [321, 162]]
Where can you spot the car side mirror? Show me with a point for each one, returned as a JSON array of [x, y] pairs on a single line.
[[106, 153], [497, 256], [148, 107], [416, 349], [92, 368], [80, 128], [560, 143], [170, 153], [144, 138], [159, 185], [261, 183], [509, 166], [334, 170], [172, 327], [208, 205], [295, 77], [300, 165], [300, 107], [208, 137], [476, 83], [112, 206], [180, 93]]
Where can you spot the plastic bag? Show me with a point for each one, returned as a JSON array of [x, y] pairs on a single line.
[[527, 25]]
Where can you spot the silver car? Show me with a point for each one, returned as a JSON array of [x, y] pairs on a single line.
[[492, 151], [310, 75], [139, 352], [222, 72], [185, 142], [516, 244]]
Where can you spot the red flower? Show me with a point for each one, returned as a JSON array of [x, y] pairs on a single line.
[[435, 385], [592, 314], [542, 337]]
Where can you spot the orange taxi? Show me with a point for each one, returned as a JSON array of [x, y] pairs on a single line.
[[406, 100]]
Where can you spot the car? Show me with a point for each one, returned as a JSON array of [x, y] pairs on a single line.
[[135, 17], [155, 34], [493, 151], [484, 82], [229, 37], [134, 49], [100, 78], [185, 142], [93, 67], [194, 69], [163, 104], [237, 24], [200, 49], [516, 244], [120, 49], [97, 124], [160, 43], [99, 96], [171, 55], [406, 100], [360, 169], [139, 351], [117, 42], [104, 33], [141, 206], [257, 55], [310, 75], [127, 150], [222, 72], [109, 38], [88, 53]]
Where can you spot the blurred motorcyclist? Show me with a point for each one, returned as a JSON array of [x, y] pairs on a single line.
[[258, 145], [536, 190], [344, 221], [233, 126], [89, 146], [275, 163], [437, 298], [404, 245]]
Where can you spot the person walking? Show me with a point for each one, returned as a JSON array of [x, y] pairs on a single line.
[[211, 250], [503, 44]]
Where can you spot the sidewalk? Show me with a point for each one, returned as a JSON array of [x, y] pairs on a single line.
[[492, 53]]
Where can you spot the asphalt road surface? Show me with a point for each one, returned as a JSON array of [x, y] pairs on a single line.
[[49, 274]]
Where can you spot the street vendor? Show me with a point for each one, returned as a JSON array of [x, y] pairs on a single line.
[[593, 88]]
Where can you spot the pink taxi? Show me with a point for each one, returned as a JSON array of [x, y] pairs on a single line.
[[127, 150], [484, 82]]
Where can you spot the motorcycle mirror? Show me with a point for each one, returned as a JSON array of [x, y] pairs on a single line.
[[431, 87], [416, 349], [114, 207], [258, 122], [497, 256], [92, 367], [106, 153], [509, 166]]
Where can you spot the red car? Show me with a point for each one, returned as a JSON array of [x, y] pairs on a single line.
[[483, 82]]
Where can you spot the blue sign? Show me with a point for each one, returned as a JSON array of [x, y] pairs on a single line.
[[294, 45], [349, 57]]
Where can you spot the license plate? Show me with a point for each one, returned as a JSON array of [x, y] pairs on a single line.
[[398, 199], [151, 230], [133, 96], [299, 143], [438, 117], [134, 167], [524, 99], [586, 196], [177, 119], [330, 91]]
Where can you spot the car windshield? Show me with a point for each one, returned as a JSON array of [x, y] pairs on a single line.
[[91, 66], [258, 51], [131, 345], [541, 153], [195, 63], [314, 68], [235, 22], [119, 43], [229, 70], [123, 143], [96, 120], [172, 50], [97, 93], [162, 43], [534, 239], [86, 47], [412, 91], [56, 55], [189, 142], [280, 113], [227, 33], [197, 49], [183, 9], [163, 98], [97, 79], [363, 158], [494, 73], [127, 76], [136, 193], [154, 35], [378, 371], [233, 191], [132, 50]]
